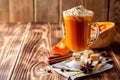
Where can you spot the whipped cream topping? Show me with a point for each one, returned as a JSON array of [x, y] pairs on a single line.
[[77, 11]]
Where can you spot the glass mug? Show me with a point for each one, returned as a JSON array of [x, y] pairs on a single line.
[[78, 32]]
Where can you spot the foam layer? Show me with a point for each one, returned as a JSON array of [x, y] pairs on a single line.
[[77, 11]]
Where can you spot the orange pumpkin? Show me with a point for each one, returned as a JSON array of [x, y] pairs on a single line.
[[60, 48], [106, 36]]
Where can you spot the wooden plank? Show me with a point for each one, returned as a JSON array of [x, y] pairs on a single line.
[[114, 13], [9, 50], [100, 9], [67, 4], [33, 52], [34, 55], [46, 11], [21, 10], [4, 11]]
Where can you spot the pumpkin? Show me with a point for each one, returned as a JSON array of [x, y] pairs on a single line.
[[60, 48], [106, 35]]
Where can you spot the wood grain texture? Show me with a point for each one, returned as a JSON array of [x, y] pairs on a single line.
[[34, 48], [34, 54], [46, 11], [100, 9], [11, 40], [51, 10], [4, 11], [21, 11], [67, 4], [114, 14]]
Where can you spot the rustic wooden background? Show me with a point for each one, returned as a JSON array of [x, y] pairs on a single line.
[[51, 10], [20, 54]]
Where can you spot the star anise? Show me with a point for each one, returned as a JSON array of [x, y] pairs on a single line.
[[87, 68]]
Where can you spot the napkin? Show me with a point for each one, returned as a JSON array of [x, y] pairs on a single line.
[[72, 73]]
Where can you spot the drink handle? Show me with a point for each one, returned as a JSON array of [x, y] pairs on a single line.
[[96, 28]]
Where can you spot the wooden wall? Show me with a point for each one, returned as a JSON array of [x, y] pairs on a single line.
[[51, 10]]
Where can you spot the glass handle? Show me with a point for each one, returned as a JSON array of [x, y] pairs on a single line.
[[96, 34]]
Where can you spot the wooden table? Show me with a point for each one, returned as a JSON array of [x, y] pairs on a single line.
[[24, 46]]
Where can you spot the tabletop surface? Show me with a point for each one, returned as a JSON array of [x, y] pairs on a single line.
[[24, 46]]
